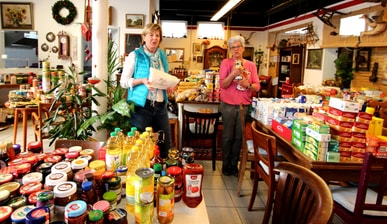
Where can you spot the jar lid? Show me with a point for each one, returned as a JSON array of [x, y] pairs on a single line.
[[174, 170], [60, 151], [32, 177], [97, 164], [21, 168], [122, 169], [32, 197], [72, 155], [61, 167], [24, 154], [41, 156], [75, 208], [5, 177], [166, 180], [5, 213], [109, 196], [4, 194], [44, 196], [101, 205], [87, 185], [95, 215], [30, 187], [76, 148], [98, 174], [78, 164], [114, 181], [88, 152], [10, 186], [39, 214], [45, 166], [65, 189], [54, 179], [31, 159], [87, 157], [53, 159], [17, 202], [16, 161], [34, 145], [157, 167], [107, 174], [19, 215], [144, 172]]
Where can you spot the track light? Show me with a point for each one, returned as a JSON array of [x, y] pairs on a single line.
[[225, 9]]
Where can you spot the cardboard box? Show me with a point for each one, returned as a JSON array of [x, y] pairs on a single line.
[[282, 130], [318, 136], [344, 105]]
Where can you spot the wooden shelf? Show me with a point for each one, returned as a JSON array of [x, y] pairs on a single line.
[[9, 86]]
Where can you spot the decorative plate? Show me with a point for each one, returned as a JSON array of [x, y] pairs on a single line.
[[54, 49], [44, 47], [50, 37]]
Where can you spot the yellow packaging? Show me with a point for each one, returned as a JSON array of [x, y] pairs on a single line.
[[378, 125], [97, 165]]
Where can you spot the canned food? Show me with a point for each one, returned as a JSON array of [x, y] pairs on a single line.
[[144, 186], [165, 203], [143, 213]]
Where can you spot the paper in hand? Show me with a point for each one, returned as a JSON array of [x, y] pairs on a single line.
[[162, 80]]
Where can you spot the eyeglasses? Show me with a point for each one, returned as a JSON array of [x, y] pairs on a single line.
[[236, 47]]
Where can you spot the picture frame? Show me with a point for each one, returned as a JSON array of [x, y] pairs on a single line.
[[197, 48], [362, 59], [134, 21], [296, 59], [314, 59], [16, 15], [199, 59], [132, 41]]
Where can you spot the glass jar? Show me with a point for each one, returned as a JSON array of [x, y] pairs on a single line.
[[104, 206], [54, 179], [96, 217], [19, 215], [63, 167], [121, 172], [165, 203], [177, 174], [79, 164], [89, 192], [38, 215], [29, 188], [45, 170], [192, 182], [65, 193], [114, 184], [97, 165], [187, 155], [75, 212], [111, 197]]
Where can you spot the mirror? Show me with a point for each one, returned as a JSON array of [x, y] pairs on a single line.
[[175, 54], [19, 49]]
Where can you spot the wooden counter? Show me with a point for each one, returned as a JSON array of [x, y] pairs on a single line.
[[329, 171]]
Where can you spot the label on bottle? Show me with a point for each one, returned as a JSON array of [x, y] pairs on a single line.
[[112, 161], [193, 182]]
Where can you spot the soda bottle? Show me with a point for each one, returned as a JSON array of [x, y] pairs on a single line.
[[113, 152]]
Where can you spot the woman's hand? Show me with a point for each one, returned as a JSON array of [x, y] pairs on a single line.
[[148, 84]]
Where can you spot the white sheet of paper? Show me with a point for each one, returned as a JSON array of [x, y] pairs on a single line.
[[162, 80]]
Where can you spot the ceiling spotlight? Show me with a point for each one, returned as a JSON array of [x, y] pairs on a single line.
[[225, 9]]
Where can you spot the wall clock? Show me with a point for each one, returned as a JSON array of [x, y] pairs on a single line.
[[63, 45]]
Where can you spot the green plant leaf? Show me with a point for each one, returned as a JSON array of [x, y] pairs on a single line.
[[122, 107]]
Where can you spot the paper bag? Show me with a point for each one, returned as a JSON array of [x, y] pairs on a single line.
[[162, 80]]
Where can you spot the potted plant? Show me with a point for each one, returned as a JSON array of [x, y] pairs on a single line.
[[344, 70]]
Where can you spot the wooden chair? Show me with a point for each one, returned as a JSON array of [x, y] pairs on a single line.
[[95, 145], [265, 150], [364, 203], [245, 155], [301, 196], [201, 126], [38, 121]]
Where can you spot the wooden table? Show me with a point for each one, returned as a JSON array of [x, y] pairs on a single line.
[[24, 111], [329, 171]]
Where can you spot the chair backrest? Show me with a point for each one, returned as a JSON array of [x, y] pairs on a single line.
[[198, 125], [301, 196], [371, 162], [38, 118], [265, 150]]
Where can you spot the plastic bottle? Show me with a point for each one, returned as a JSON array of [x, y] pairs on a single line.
[[113, 152], [120, 135], [136, 132], [132, 163], [152, 140], [127, 146], [144, 160]]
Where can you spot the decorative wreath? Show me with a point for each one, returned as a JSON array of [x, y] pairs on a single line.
[[59, 5]]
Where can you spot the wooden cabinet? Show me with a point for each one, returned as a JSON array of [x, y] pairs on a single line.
[[291, 64], [213, 56]]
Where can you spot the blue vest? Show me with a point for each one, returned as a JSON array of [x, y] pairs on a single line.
[[141, 70]]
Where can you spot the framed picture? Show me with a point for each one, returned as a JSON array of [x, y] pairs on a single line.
[[199, 59], [363, 59], [134, 21], [197, 48], [248, 54], [132, 41], [16, 15], [296, 59], [314, 59]]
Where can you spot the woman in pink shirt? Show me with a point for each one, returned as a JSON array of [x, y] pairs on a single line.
[[238, 80]]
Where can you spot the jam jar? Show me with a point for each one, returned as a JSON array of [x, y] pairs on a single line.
[[39, 215], [75, 148], [54, 179], [79, 164], [87, 152], [5, 178], [12, 187], [164, 199], [104, 206], [29, 188], [111, 197], [5, 214], [65, 192], [177, 173], [32, 177], [97, 165], [19, 215], [45, 170], [75, 212], [4, 197], [96, 217], [17, 202], [63, 167], [70, 156]]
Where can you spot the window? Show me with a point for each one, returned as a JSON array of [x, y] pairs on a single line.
[[210, 30], [347, 27], [174, 29]]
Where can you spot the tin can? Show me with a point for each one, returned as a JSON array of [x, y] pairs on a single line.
[[144, 186], [144, 213], [165, 203]]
